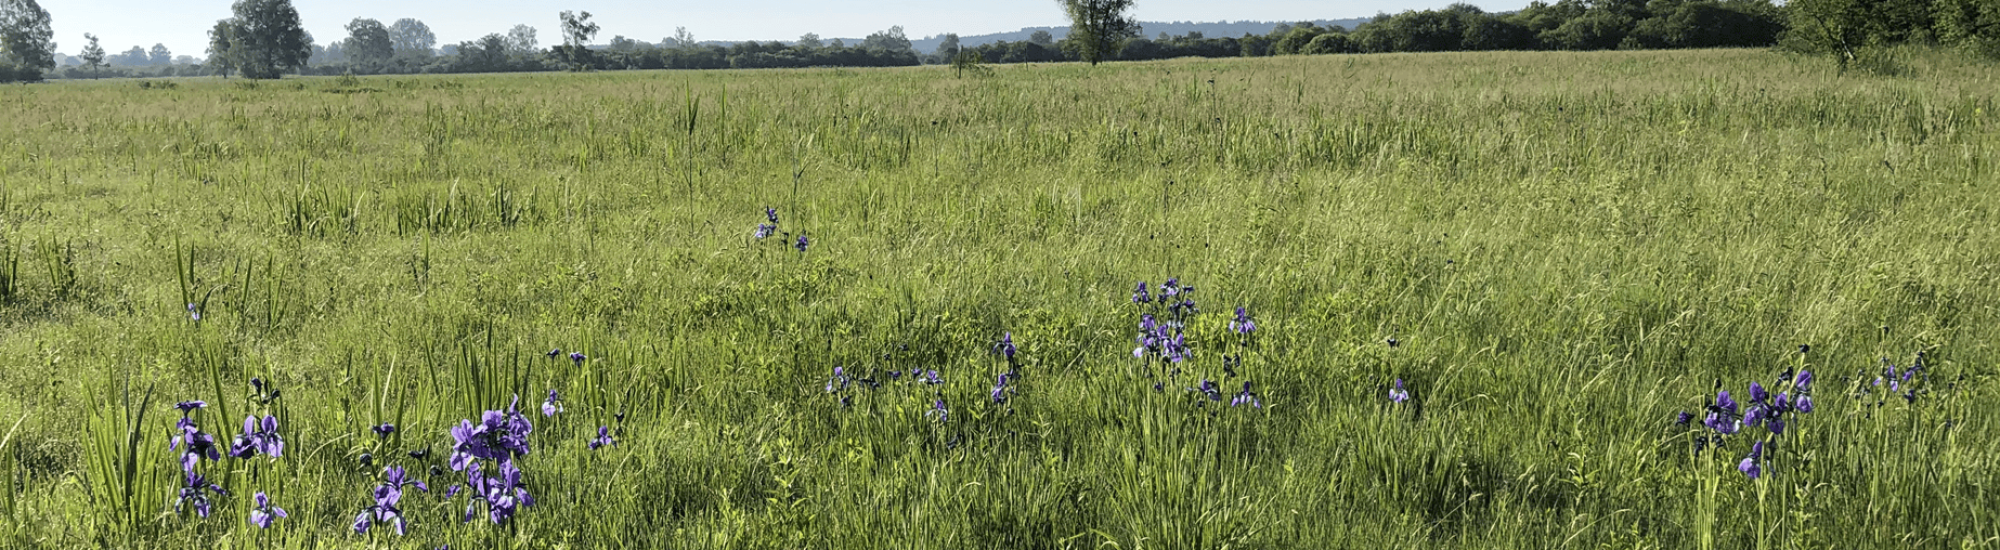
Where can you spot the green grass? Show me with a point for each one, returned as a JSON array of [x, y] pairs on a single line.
[[1570, 248]]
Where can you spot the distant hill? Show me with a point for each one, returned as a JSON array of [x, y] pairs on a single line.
[[1152, 29]]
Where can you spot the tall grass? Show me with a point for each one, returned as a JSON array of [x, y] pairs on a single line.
[[1567, 249]]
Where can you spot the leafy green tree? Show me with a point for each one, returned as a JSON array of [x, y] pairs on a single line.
[[131, 58], [577, 32], [1096, 27], [1326, 43], [93, 55], [160, 55], [521, 41], [222, 54], [24, 39], [368, 42], [411, 38], [685, 39], [1972, 24], [1295, 41], [269, 39], [1042, 38], [891, 40]]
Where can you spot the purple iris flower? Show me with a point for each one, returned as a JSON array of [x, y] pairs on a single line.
[[1000, 389], [930, 377], [763, 230], [200, 445], [1750, 466], [552, 405], [498, 436], [1803, 382], [194, 491], [1803, 403], [577, 357], [194, 312], [1776, 424], [1398, 394], [1171, 288], [383, 430], [395, 476], [503, 494], [258, 437], [938, 408], [1758, 394], [385, 510], [771, 214], [554, 353], [190, 406], [1210, 390], [1246, 398], [801, 243], [1242, 324], [1007, 345], [1723, 415], [1141, 295], [265, 513], [603, 438], [839, 381], [1683, 419]]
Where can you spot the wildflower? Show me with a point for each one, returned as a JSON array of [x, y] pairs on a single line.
[[1722, 416], [1246, 398], [1803, 382], [771, 214], [190, 406], [267, 438], [554, 353], [552, 405], [1141, 295], [801, 244], [577, 357], [1750, 466], [938, 408], [1758, 394], [194, 491], [1804, 403], [383, 430], [366, 459], [199, 444], [385, 510], [265, 513], [194, 312], [763, 230], [603, 438], [1242, 324], [1398, 394], [1683, 419], [498, 436], [1006, 346], [1000, 390], [930, 377], [1210, 390], [503, 494], [419, 454], [395, 476]]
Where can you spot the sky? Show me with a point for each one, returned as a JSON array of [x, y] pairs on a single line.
[[182, 25]]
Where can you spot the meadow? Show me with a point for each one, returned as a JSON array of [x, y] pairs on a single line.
[[1554, 255]]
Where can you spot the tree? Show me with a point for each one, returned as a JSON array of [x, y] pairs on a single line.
[[24, 39], [411, 38], [222, 54], [159, 55], [93, 55], [683, 38], [809, 40], [1097, 26], [1042, 38], [891, 40], [368, 42], [521, 40], [269, 39], [577, 31], [1971, 24]]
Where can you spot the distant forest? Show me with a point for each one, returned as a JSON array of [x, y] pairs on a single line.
[[1834, 26]]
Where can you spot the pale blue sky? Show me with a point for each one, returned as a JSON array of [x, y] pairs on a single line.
[[183, 25]]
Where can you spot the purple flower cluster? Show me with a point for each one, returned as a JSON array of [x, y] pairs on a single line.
[[503, 495], [258, 437], [1774, 412], [499, 436], [552, 405], [1397, 394], [603, 438], [1247, 397], [265, 513], [1001, 391], [194, 492]]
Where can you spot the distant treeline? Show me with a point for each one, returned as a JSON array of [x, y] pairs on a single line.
[[1834, 26]]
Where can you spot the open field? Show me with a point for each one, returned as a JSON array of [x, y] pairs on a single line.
[[1567, 249]]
